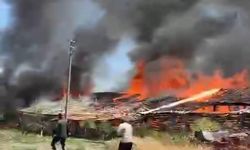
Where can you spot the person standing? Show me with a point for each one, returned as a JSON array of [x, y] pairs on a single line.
[[125, 130], [60, 133]]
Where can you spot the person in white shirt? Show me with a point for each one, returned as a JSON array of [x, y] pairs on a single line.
[[125, 130]]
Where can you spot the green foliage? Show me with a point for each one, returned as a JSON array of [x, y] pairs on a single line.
[[205, 124]]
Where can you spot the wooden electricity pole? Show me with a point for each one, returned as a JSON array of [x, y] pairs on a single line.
[[71, 50]]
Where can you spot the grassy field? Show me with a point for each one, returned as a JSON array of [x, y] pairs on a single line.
[[12, 139]]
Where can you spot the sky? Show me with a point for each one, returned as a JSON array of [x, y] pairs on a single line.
[[4, 14], [109, 67]]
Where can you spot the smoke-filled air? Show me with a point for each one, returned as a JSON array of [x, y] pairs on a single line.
[[146, 47]]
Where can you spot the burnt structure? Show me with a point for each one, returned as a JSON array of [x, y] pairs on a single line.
[[106, 108], [229, 107]]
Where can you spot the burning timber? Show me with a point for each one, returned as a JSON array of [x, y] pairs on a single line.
[[229, 107]]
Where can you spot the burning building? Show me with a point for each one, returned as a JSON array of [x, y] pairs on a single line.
[[177, 42], [181, 48]]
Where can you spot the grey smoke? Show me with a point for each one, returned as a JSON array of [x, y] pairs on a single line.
[[185, 30], [178, 28], [229, 51], [206, 34], [38, 40], [139, 17], [181, 36], [92, 44]]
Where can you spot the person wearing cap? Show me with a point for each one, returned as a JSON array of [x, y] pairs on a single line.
[[125, 130], [60, 133]]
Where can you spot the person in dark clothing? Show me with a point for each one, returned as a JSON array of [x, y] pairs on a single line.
[[60, 133], [57, 139]]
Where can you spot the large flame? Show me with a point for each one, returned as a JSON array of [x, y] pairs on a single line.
[[172, 77]]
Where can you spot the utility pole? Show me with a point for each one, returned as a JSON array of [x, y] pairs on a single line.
[[71, 50]]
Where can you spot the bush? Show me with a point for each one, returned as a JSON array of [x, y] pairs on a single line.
[[205, 124]]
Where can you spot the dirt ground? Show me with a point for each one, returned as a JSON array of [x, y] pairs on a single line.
[[13, 140]]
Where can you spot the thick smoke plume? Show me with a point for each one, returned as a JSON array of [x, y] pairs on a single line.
[[206, 34], [37, 44]]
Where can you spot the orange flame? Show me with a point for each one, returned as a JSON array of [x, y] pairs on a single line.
[[204, 82], [172, 77]]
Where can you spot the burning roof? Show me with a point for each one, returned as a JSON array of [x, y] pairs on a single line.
[[224, 98], [231, 96]]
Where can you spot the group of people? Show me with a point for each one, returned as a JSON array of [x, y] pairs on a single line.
[[124, 130]]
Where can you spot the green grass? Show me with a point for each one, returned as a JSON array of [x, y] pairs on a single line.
[[175, 138], [12, 139]]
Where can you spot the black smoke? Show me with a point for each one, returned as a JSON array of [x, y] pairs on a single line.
[[37, 44], [206, 34]]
